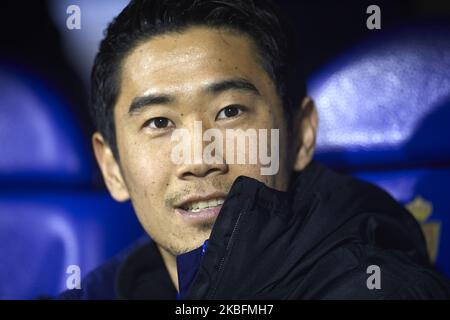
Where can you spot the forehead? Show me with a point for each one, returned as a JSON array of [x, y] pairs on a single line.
[[186, 61]]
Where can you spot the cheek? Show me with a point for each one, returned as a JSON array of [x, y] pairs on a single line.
[[147, 168], [272, 119]]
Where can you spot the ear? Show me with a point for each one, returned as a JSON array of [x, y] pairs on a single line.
[[110, 168], [306, 134]]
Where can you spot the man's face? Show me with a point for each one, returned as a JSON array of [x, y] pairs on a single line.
[[172, 81]]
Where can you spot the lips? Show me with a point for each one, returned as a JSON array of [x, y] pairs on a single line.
[[196, 206], [202, 201], [201, 207]]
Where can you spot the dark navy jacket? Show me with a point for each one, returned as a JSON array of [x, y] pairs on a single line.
[[316, 241]]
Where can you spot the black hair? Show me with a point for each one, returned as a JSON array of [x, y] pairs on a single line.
[[142, 19]]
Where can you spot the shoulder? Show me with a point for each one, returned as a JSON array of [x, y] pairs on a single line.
[[372, 215], [366, 233], [346, 190], [366, 272]]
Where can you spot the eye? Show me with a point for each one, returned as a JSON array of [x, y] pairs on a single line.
[[159, 123], [230, 112]]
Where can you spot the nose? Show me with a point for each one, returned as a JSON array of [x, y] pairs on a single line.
[[202, 165], [200, 170]]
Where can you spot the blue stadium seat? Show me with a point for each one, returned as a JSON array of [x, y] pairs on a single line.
[[39, 139], [51, 217], [384, 110]]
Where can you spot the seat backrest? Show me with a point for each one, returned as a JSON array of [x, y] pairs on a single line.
[[384, 110], [39, 139], [386, 101], [51, 217]]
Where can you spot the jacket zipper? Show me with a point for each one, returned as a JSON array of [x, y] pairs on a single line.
[[222, 260]]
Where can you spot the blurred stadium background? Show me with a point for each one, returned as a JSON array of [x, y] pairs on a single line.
[[384, 107]]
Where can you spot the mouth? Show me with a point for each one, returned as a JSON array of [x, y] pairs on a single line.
[[201, 207], [197, 206]]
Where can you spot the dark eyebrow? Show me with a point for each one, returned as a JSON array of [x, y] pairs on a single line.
[[232, 84], [139, 103]]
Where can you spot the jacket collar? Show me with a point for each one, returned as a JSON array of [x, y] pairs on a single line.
[[251, 235]]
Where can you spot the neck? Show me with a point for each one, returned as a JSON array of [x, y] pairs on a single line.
[[171, 265]]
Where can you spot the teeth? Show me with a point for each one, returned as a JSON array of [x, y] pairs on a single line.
[[200, 205]]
